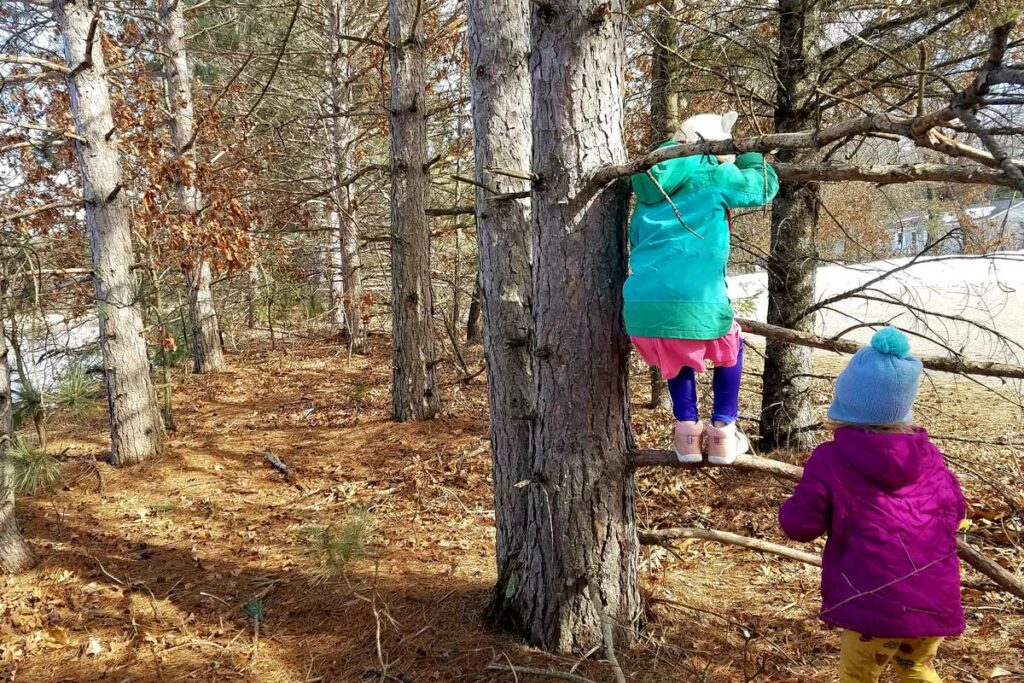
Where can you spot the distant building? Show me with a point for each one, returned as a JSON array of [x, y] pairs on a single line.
[[911, 233]]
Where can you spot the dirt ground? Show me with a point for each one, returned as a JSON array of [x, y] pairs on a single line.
[[146, 574]]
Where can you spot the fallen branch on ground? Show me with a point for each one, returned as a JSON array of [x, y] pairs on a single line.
[[277, 464], [1001, 576], [666, 536], [532, 671]]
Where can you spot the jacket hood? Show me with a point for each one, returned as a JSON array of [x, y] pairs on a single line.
[[670, 175], [890, 461]]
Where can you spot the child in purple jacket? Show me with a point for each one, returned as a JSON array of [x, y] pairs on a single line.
[[891, 508]]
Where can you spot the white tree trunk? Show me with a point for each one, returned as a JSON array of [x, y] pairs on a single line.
[[207, 350], [335, 273], [14, 552], [208, 355], [579, 539], [135, 426], [499, 48], [343, 136], [414, 385]]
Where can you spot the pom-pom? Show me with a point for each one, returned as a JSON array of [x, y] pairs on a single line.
[[891, 342]]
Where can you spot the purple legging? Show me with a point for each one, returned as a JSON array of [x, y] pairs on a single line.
[[725, 386]]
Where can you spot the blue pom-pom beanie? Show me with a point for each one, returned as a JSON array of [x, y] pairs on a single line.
[[879, 385]]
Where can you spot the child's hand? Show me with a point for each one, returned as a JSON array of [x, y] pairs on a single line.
[[965, 525]]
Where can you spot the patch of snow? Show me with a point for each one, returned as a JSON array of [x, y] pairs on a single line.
[[946, 302]]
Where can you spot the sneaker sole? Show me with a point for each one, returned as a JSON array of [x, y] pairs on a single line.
[[727, 459], [691, 459]]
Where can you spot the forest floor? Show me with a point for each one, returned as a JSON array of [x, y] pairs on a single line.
[[153, 573]]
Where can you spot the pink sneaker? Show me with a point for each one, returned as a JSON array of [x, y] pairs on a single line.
[[725, 444], [687, 442]]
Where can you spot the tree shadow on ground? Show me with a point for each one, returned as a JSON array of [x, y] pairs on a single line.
[[172, 616]]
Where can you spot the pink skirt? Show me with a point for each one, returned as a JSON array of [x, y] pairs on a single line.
[[672, 355]]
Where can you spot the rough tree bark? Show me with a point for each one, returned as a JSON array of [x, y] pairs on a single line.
[[15, 555], [499, 48], [666, 75], [207, 350], [578, 549], [135, 427], [414, 392], [786, 406], [207, 353], [343, 136]]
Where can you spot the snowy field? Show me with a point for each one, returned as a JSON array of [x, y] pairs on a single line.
[[53, 346], [948, 300]]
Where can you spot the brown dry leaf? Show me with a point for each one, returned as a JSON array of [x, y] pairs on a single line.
[[58, 634]]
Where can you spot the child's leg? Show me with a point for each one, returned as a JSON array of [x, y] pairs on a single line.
[[913, 660], [863, 658], [683, 389], [726, 388]]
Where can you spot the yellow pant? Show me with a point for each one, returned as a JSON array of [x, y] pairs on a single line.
[[863, 659]]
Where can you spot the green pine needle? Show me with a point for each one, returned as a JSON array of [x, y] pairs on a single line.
[[35, 470]]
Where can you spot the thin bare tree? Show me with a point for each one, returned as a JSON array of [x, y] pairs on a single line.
[[15, 555], [347, 289], [207, 353]]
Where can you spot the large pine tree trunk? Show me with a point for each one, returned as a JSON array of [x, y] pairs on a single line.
[[14, 552], [135, 426], [499, 48], [786, 407], [666, 74], [343, 136], [577, 547], [414, 391], [207, 353]]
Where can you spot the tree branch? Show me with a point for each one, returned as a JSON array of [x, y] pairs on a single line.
[[665, 537], [1012, 171], [34, 61], [939, 363], [891, 174], [1004, 578], [917, 129]]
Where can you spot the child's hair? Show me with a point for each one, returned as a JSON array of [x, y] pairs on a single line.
[[896, 428]]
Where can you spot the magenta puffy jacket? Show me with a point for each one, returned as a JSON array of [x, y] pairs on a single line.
[[891, 509]]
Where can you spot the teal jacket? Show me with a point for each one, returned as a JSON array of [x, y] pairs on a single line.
[[676, 288]]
